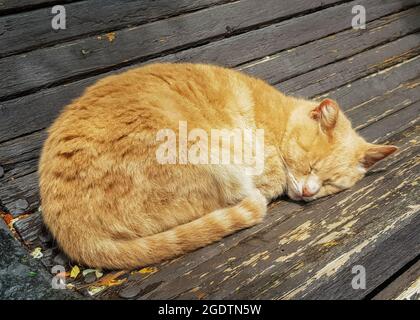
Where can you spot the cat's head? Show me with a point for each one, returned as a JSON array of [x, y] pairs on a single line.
[[323, 153]]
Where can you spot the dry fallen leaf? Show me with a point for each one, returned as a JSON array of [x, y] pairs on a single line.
[[95, 289], [8, 218], [74, 272], [111, 279], [148, 270], [37, 254], [87, 271], [70, 286], [63, 275], [110, 36], [98, 273]]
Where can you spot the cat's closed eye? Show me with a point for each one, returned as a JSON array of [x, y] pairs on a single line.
[[327, 182], [307, 171]]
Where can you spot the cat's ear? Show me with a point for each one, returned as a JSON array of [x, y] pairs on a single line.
[[326, 113], [375, 153]]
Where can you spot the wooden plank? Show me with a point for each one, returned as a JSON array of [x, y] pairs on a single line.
[[54, 65], [389, 92], [24, 187], [24, 168], [404, 95], [42, 107], [385, 128], [405, 287], [335, 75], [293, 62], [34, 234], [379, 83], [21, 149], [380, 264], [33, 29], [29, 229], [273, 39], [12, 6]]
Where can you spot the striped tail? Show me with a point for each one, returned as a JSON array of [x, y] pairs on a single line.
[[133, 253]]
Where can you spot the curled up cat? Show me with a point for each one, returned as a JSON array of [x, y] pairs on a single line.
[[109, 199]]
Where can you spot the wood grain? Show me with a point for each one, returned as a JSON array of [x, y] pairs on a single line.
[[13, 6], [42, 107], [98, 54], [34, 30], [405, 287]]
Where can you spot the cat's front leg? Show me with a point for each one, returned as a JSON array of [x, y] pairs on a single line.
[[272, 182]]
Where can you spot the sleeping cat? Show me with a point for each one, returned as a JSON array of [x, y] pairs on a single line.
[[110, 203]]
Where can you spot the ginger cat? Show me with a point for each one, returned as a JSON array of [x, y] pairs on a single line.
[[110, 203]]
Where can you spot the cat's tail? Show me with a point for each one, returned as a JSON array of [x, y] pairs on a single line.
[[133, 253]]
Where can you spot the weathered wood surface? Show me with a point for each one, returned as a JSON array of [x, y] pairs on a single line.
[[13, 6], [33, 29], [101, 53], [42, 107], [304, 48], [405, 287]]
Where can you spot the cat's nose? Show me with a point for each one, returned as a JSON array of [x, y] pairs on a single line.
[[311, 187], [306, 192]]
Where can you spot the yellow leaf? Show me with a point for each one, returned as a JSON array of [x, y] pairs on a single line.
[[110, 36], [74, 272], [98, 274], [95, 289], [331, 243], [148, 270], [37, 254], [116, 282], [87, 271], [111, 279]]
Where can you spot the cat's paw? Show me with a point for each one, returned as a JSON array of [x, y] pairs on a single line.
[[254, 208], [261, 201]]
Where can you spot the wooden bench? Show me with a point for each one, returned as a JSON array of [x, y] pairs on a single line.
[[304, 48]]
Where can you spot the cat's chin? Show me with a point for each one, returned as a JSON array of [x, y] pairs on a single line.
[[295, 197]]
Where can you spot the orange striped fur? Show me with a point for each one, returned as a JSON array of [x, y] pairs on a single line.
[[108, 201]]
